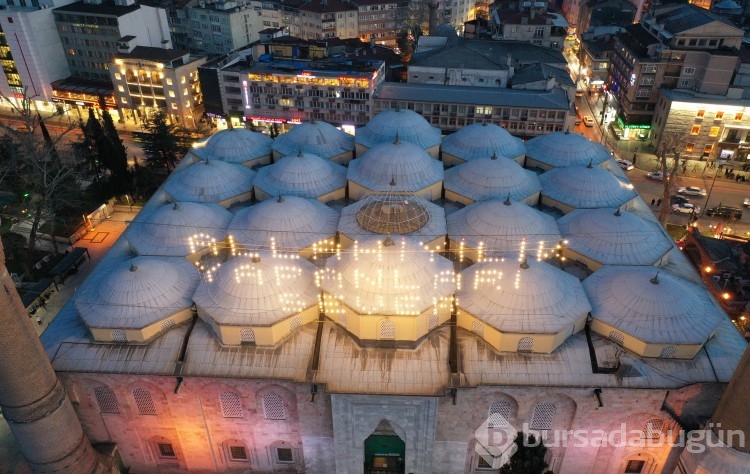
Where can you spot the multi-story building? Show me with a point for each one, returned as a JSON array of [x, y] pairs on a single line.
[[92, 31], [535, 26], [380, 20], [221, 27], [148, 79], [178, 17], [682, 48], [594, 63]]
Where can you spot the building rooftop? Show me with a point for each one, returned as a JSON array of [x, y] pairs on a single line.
[[150, 53], [106, 8], [686, 17], [541, 72], [488, 55]]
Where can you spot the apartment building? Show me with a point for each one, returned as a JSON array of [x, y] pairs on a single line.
[[221, 27], [683, 47], [147, 79], [380, 20], [535, 26]]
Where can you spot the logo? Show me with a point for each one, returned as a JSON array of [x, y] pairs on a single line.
[[496, 440]]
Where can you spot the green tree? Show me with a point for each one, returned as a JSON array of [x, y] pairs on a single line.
[[120, 179], [407, 39], [528, 458], [93, 145], [165, 143]]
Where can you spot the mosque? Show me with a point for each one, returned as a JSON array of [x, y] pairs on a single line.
[[395, 302]]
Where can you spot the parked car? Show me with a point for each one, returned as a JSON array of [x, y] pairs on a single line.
[[625, 164], [588, 120], [678, 199], [692, 191], [747, 202], [686, 208], [724, 212], [657, 175]]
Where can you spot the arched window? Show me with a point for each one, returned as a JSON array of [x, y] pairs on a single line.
[[653, 429], [543, 416], [106, 400], [387, 329], [167, 324], [144, 402], [668, 352], [432, 321], [231, 405], [295, 323], [119, 336], [617, 337], [477, 327], [526, 344], [247, 335], [273, 407], [499, 415]]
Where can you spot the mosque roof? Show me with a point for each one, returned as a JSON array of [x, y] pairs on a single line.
[[482, 140], [315, 137], [233, 145], [533, 297], [134, 293], [301, 174], [408, 125], [292, 222], [396, 166], [586, 187], [167, 230], [613, 237], [502, 227], [490, 178], [209, 181], [560, 149]]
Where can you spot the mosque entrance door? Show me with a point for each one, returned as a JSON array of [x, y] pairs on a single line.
[[384, 451]]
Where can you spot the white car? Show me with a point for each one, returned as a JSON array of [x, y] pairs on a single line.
[[692, 191], [657, 175], [588, 120], [625, 164], [686, 208], [747, 202]]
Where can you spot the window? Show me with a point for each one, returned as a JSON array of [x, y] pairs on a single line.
[[295, 323], [119, 335], [483, 465], [689, 147], [643, 93], [719, 115], [106, 400], [700, 113], [635, 467], [499, 415], [708, 149], [617, 337], [695, 130], [714, 132], [166, 450], [387, 329], [284, 455], [247, 335], [169, 81], [526, 344], [686, 83], [231, 405], [668, 352], [144, 402], [688, 70], [432, 320], [653, 429], [738, 116], [477, 327], [543, 416], [237, 453], [273, 407], [343, 319]]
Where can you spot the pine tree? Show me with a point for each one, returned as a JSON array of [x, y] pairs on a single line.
[[165, 143], [120, 180]]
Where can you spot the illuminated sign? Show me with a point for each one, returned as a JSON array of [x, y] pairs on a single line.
[[247, 95], [306, 74], [273, 119], [635, 125]]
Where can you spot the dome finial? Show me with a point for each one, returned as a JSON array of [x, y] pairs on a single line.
[[205, 161], [299, 152], [507, 200], [176, 206], [591, 164], [393, 180], [133, 267], [312, 120], [524, 263], [388, 242], [280, 199], [484, 123], [567, 131], [617, 212], [655, 279], [396, 141], [494, 155]]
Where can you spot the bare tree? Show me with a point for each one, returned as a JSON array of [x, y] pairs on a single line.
[[671, 145]]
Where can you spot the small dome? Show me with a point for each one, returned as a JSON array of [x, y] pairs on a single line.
[[502, 227], [137, 292], [398, 166], [233, 145], [381, 276], [491, 178], [613, 237], [482, 140], [209, 181], [301, 174], [257, 291], [316, 137], [294, 223], [652, 306], [167, 230], [408, 125], [585, 187], [560, 149], [537, 299]]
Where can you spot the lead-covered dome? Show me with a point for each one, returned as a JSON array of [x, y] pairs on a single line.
[[301, 174], [482, 140], [291, 223], [210, 181], [137, 292], [614, 237], [170, 229], [407, 125], [585, 187], [315, 137], [561, 149], [234, 145], [491, 178]]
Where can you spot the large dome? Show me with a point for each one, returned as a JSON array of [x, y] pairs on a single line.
[[397, 166], [491, 178], [137, 292], [209, 181], [292, 222], [652, 306], [316, 137], [560, 149], [167, 230], [233, 145], [503, 228], [407, 125], [381, 276], [257, 290], [301, 174], [536, 299], [585, 187], [482, 140], [614, 237]]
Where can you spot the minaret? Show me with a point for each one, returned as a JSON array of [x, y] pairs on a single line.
[[433, 19], [32, 398]]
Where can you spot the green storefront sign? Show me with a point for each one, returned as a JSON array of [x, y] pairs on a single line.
[[634, 125]]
